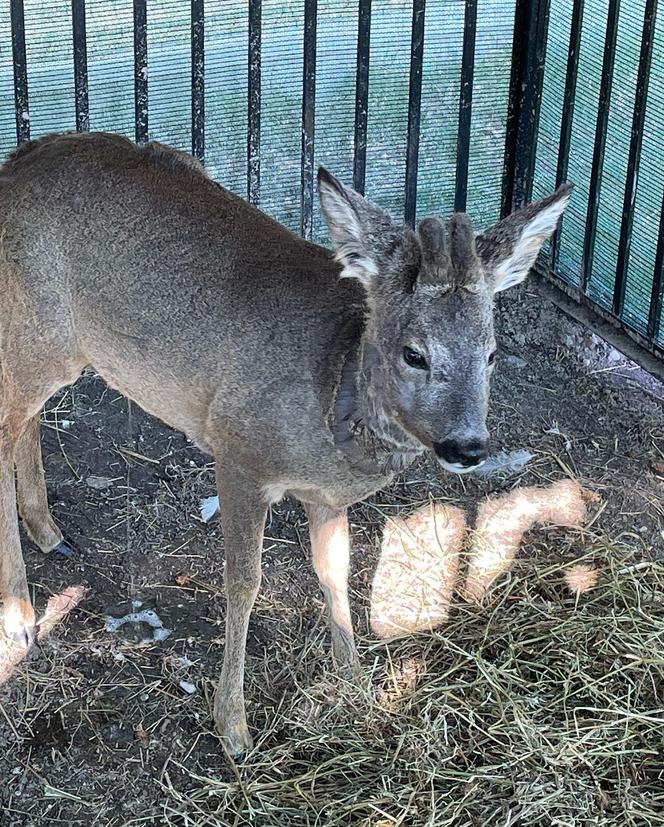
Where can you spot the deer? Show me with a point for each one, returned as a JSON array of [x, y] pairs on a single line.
[[305, 372]]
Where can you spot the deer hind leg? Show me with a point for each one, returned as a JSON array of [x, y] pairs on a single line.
[[330, 551], [25, 384], [242, 510], [31, 492], [18, 614]]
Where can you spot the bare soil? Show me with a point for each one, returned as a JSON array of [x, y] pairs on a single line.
[[99, 729]]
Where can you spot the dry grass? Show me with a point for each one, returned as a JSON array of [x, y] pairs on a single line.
[[538, 710]]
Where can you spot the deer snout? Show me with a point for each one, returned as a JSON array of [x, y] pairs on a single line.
[[462, 453]]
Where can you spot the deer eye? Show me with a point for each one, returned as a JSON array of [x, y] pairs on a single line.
[[414, 359], [492, 357]]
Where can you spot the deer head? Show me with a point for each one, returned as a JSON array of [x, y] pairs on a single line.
[[430, 297]]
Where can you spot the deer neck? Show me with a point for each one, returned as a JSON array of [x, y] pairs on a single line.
[[361, 421]]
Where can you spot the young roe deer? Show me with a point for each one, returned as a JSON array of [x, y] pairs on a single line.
[[218, 320]]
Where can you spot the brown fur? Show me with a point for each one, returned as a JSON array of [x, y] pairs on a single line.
[[213, 317]]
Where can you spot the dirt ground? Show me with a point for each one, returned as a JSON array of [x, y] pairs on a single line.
[[97, 728]]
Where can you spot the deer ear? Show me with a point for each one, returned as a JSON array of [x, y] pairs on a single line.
[[508, 249], [355, 226]]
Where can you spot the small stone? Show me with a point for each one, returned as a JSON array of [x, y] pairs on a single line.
[[514, 361], [98, 483], [188, 687]]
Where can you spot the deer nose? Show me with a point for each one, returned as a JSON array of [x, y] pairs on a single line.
[[467, 453]]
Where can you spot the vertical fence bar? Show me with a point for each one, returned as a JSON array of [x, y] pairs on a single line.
[[361, 95], [657, 294], [533, 79], [20, 72], [541, 35], [634, 158], [141, 70], [414, 109], [254, 103], [531, 21], [519, 41], [308, 118], [80, 66], [465, 106], [198, 79], [600, 142], [568, 115]]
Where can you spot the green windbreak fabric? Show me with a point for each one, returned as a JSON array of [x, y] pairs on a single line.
[[110, 54], [650, 179], [110, 58]]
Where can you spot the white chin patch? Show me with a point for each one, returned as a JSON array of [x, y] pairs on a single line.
[[457, 468]]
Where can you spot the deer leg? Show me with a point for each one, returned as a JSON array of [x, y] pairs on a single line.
[[31, 492], [243, 509], [19, 616], [330, 550]]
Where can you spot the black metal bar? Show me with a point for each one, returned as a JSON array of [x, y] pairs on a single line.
[[254, 104], [465, 106], [519, 41], [541, 35], [657, 294], [198, 79], [362, 95], [537, 21], [20, 72], [414, 109], [80, 65], [634, 158], [600, 142], [141, 70], [568, 114], [308, 118], [528, 53]]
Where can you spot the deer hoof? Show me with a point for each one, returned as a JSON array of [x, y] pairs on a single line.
[[237, 741], [63, 549], [344, 654], [19, 624], [234, 734]]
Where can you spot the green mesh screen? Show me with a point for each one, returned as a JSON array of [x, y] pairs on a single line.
[[48, 29], [111, 92], [650, 179]]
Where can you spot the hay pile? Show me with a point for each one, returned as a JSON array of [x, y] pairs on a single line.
[[545, 712]]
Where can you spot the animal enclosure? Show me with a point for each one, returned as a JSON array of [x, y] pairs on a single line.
[[452, 104], [540, 706]]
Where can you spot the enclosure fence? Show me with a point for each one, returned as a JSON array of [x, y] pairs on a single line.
[[426, 106]]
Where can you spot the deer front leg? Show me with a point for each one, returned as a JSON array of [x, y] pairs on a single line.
[[330, 551], [242, 510], [18, 614]]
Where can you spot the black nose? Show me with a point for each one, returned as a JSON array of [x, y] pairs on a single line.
[[458, 452]]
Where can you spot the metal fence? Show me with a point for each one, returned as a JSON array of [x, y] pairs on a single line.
[[561, 68]]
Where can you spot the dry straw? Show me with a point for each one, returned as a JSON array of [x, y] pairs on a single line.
[[541, 710]]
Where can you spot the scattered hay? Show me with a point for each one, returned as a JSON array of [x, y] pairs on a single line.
[[546, 712]]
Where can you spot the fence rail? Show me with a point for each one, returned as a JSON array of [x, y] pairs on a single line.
[[523, 136]]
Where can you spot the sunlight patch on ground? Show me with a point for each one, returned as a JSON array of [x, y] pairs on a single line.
[[416, 572], [416, 575], [57, 608]]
